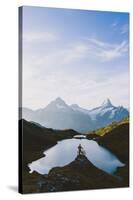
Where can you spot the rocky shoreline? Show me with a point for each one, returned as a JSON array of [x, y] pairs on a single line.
[[80, 174]]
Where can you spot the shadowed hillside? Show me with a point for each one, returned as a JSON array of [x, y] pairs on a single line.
[[34, 140], [80, 174], [115, 137]]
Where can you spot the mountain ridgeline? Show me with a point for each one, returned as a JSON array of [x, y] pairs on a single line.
[[59, 115]]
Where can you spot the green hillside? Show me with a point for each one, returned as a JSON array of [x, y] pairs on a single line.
[[103, 131], [115, 137]]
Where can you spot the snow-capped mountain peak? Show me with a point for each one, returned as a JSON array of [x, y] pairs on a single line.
[[107, 103], [58, 105], [59, 101], [59, 115]]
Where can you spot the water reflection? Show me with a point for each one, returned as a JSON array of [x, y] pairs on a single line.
[[66, 151]]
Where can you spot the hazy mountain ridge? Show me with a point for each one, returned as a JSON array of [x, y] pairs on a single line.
[[59, 115]]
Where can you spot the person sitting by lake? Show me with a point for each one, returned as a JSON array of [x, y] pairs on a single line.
[[80, 150]]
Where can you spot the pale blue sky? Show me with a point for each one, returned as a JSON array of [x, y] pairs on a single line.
[[81, 56]]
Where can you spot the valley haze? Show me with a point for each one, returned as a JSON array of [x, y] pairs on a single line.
[[59, 115]]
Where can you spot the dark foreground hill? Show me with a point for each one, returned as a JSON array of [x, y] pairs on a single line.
[[34, 140], [80, 174], [115, 137]]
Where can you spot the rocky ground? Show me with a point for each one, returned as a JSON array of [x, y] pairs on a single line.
[[80, 174]]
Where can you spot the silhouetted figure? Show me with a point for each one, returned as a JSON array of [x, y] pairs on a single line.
[[80, 150]]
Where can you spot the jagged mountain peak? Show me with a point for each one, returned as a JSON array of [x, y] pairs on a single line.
[[59, 115], [58, 101], [107, 103], [57, 104]]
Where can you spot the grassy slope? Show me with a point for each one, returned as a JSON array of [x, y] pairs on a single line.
[[115, 137], [117, 141], [103, 131]]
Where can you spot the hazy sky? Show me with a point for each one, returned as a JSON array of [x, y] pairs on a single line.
[[81, 56]]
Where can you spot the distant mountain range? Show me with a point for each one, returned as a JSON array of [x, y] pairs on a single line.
[[59, 115]]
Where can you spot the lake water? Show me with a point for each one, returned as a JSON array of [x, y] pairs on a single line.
[[65, 151], [80, 136]]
